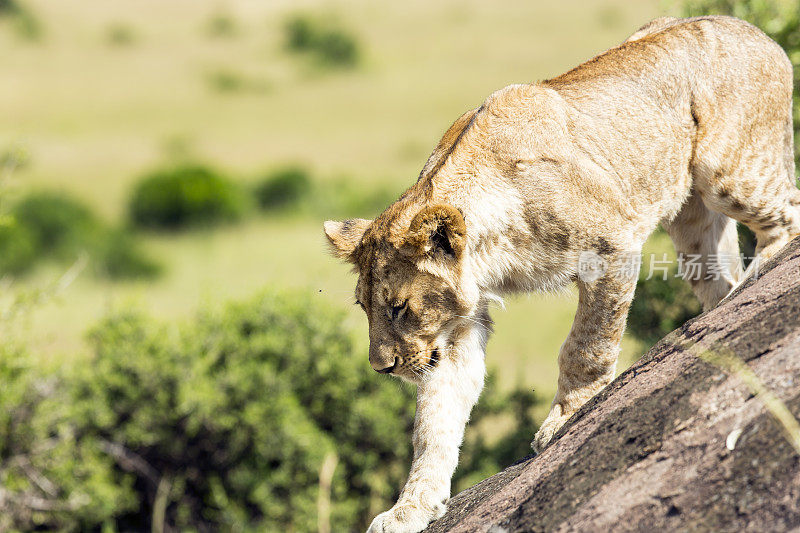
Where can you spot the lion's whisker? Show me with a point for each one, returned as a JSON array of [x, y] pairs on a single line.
[[474, 319], [486, 326]]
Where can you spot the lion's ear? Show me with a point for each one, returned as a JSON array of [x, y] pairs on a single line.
[[344, 236], [436, 230]]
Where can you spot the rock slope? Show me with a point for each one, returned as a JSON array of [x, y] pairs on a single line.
[[680, 441]]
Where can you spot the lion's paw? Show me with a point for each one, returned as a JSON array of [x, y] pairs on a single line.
[[555, 419], [406, 518]]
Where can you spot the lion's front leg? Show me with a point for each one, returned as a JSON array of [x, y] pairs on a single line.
[[588, 358], [444, 402]]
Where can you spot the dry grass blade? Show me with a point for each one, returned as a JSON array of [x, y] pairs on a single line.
[[733, 365]]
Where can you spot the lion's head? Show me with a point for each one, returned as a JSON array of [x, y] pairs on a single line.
[[411, 284]]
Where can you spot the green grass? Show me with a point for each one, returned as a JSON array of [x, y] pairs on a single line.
[[93, 117]]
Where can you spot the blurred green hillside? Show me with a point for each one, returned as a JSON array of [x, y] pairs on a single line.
[[108, 91]]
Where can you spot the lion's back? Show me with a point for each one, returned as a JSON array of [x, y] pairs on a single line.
[[698, 48]]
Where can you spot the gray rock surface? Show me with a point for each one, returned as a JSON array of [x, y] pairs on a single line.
[[652, 451]]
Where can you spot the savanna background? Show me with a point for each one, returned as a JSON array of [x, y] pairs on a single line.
[[178, 351]]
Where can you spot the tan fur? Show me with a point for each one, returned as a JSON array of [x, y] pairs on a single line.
[[687, 123]]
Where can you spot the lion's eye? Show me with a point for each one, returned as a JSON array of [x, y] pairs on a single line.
[[395, 311]]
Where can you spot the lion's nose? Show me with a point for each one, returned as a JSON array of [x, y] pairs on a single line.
[[388, 369]]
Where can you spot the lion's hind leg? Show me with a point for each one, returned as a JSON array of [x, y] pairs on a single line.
[[707, 245], [754, 182], [768, 204]]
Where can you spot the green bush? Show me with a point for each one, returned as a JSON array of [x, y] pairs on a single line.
[[17, 248], [329, 44], [9, 7], [119, 256], [24, 22], [50, 477], [238, 412], [233, 415], [60, 225], [183, 196], [337, 47], [223, 423], [283, 188], [50, 226], [300, 33], [292, 187]]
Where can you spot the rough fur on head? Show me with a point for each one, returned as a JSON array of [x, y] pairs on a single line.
[[437, 232], [410, 283]]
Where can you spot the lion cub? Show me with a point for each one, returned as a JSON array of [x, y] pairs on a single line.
[[688, 124]]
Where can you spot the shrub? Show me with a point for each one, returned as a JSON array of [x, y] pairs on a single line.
[[282, 188], [119, 256], [329, 44], [237, 413], [59, 224], [17, 248], [27, 26], [14, 158], [337, 47], [223, 423], [292, 187], [47, 225], [183, 196], [50, 478], [9, 7], [23, 20], [300, 33]]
